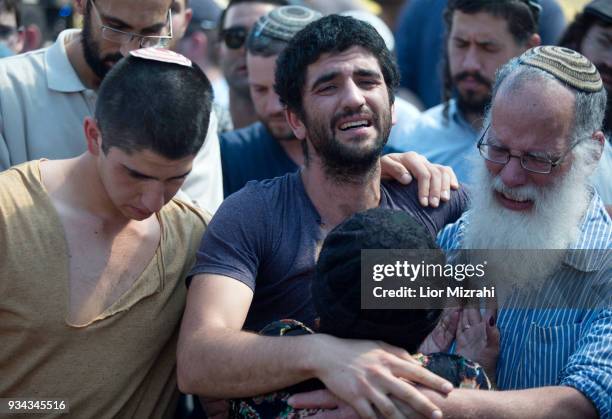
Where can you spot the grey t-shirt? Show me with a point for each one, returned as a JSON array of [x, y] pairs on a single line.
[[268, 236]]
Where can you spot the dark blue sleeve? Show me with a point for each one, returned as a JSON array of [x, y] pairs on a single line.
[[234, 243]]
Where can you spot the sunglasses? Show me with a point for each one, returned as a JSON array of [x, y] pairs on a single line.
[[235, 36]]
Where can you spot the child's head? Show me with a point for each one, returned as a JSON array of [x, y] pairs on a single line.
[[336, 289]]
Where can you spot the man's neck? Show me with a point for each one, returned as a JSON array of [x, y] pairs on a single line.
[[293, 149], [474, 119], [76, 56], [241, 110], [336, 200]]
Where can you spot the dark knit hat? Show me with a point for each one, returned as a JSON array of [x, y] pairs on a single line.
[[600, 8], [284, 22], [567, 65], [336, 290]]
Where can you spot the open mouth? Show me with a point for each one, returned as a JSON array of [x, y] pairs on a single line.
[[513, 202], [362, 123]]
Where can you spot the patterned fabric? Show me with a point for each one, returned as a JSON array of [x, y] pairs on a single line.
[[461, 372], [570, 347]]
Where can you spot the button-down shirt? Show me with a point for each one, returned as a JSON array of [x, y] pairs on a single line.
[[451, 142], [43, 103], [567, 347]]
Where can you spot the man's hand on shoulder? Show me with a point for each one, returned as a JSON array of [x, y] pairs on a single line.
[[435, 181]]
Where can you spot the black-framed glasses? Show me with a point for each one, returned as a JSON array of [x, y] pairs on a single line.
[[529, 162], [144, 41], [235, 36]]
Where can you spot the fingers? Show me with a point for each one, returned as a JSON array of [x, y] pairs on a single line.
[[406, 409], [398, 352], [417, 373], [392, 168], [492, 332], [417, 401], [435, 186], [453, 181], [321, 399], [384, 405], [450, 321], [445, 187]]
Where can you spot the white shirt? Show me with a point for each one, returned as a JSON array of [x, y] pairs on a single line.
[[42, 107]]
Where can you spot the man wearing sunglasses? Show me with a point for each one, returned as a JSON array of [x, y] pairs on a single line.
[[45, 95], [235, 23]]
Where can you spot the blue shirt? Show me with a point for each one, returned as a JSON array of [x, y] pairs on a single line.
[[567, 347], [251, 153], [268, 236], [451, 142]]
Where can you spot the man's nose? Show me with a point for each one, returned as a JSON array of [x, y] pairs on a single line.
[[471, 61], [513, 174], [153, 198], [131, 45], [352, 95]]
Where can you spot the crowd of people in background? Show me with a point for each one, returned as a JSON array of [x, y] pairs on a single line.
[[186, 187]]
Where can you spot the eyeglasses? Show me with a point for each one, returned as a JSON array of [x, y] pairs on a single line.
[[235, 36], [144, 41], [529, 162]]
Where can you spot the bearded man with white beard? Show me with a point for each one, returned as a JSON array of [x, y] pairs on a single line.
[[542, 140]]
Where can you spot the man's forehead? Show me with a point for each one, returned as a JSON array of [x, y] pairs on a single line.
[[349, 61], [261, 68], [246, 14], [481, 25], [136, 13]]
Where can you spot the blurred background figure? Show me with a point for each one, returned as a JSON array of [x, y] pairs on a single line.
[[591, 34], [181, 16], [11, 31], [235, 23], [420, 39]]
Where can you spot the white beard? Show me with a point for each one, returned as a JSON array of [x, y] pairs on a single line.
[[553, 223]]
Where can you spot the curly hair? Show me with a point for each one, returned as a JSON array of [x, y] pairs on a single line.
[[330, 34]]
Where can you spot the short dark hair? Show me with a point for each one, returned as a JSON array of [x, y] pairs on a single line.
[[12, 6], [145, 104], [576, 31], [522, 17], [336, 289], [330, 34], [235, 2]]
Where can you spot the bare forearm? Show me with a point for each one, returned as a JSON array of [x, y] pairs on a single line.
[[546, 402], [229, 363]]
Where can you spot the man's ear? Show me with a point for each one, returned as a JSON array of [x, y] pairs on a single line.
[[601, 139], [296, 124], [534, 41], [393, 114], [93, 136]]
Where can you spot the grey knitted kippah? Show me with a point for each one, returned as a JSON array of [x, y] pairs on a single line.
[[284, 22], [565, 64]]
